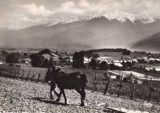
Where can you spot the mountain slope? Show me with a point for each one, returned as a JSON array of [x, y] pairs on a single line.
[[95, 33], [151, 43]]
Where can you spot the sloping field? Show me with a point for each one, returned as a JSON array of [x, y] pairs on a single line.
[[95, 83], [18, 96]]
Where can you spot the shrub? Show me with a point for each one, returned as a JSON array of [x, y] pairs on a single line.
[[12, 58]]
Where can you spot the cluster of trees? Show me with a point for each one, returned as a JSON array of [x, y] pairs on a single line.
[[78, 62], [37, 60], [94, 64], [148, 61], [126, 52], [78, 59], [13, 58]]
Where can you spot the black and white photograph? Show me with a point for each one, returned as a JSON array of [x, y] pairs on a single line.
[[79, 56]]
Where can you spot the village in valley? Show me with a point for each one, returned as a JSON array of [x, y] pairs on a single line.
[[120, 62]]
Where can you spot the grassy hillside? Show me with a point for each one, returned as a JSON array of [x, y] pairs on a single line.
[[18, 96], [95, 83]]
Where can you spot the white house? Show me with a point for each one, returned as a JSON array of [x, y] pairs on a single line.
[[52, 57], [1, 62], [26, 60], [87, 60]]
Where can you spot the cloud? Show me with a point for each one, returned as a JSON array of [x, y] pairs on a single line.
[[83, 3], [113, 9], [26, 15], [19, 21], [33, 9], [69, 7], [32, 13]]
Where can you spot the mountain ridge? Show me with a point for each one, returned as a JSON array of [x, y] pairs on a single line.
[[150, 43], [89, 34]]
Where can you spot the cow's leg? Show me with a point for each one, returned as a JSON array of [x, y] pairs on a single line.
[[83, 96], [82, 93], [51, 96], [59, 96], [64, 95], [52, 88], [55, 92]]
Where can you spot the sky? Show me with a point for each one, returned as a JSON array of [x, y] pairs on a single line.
[[17, 14]]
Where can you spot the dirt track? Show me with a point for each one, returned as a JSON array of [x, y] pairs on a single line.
[[17, 96]]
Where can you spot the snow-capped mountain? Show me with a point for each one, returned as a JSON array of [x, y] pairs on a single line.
[[98, 32]]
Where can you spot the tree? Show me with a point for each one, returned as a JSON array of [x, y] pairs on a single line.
[[12, 58], [126, 52], [75, 60], [127, 64], [37, 60], [4, 53], [93, 63], [78, 59], [112, 66], [96, 55], [103, 65], [45, 51]]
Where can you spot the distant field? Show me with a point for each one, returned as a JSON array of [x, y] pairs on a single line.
[[141, 91], [111, 54], [119, 55]]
